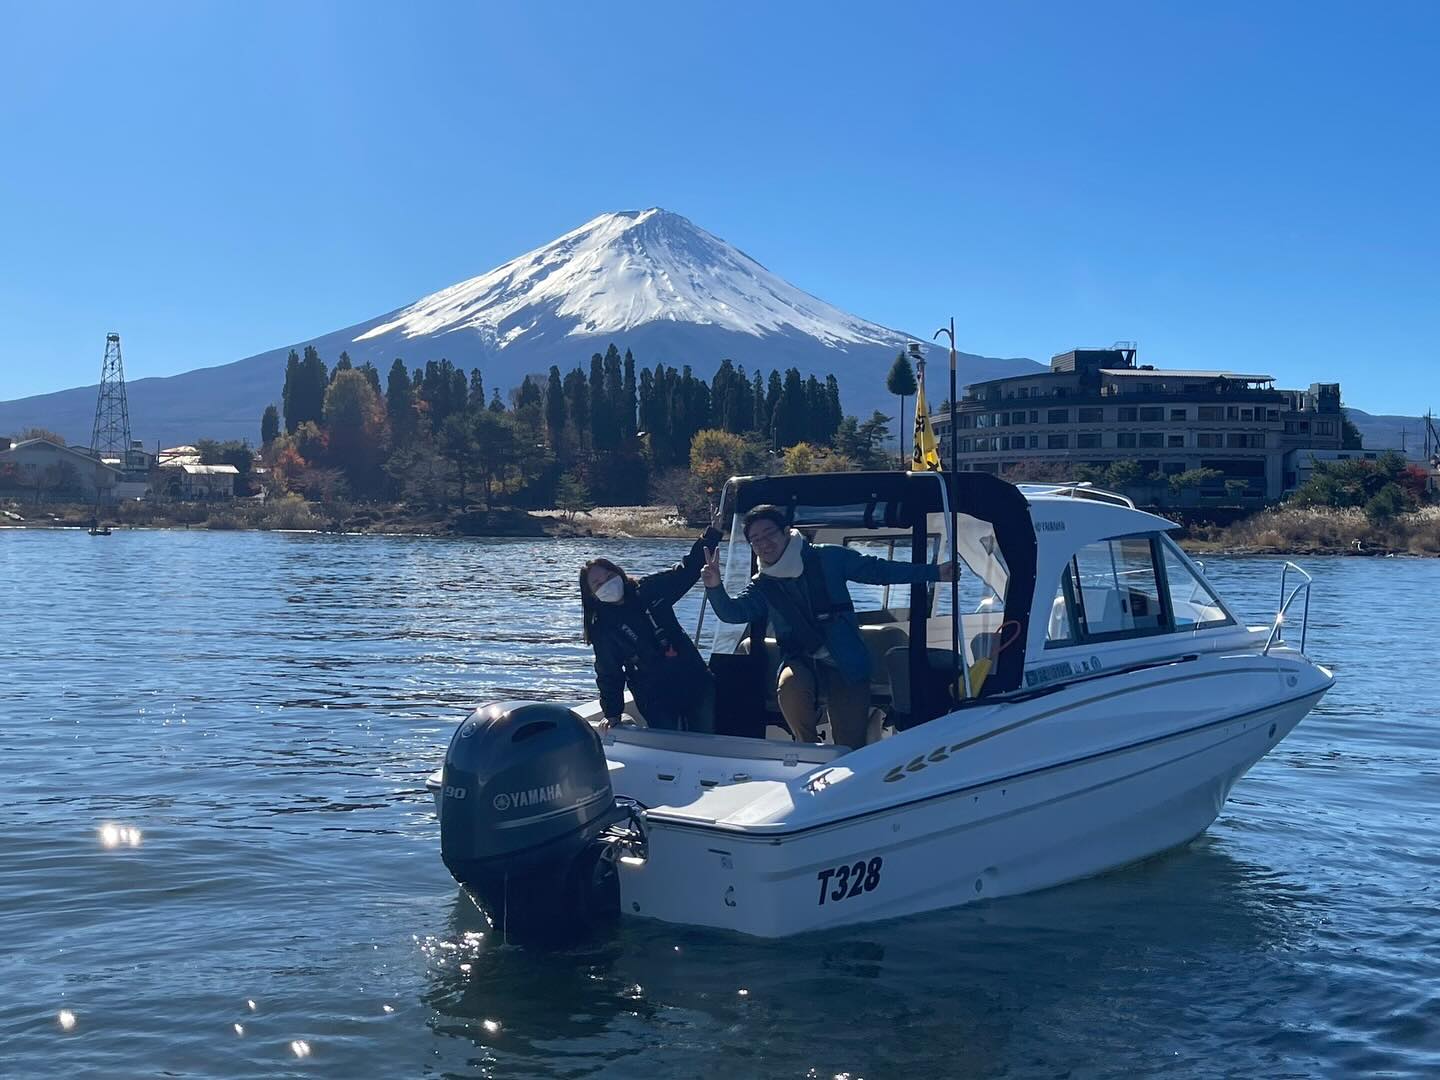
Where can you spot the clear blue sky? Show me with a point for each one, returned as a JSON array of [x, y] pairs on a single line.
[[1240, 185]]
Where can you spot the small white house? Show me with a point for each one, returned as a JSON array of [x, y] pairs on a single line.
[[208, 481]]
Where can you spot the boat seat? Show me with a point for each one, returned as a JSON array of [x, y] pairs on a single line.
[[897, 665], [879, 641]]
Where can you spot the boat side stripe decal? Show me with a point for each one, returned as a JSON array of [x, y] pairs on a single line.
[[742, 832]]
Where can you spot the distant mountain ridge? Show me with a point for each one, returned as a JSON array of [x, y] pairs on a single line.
[[649, 280], [1384, 432]]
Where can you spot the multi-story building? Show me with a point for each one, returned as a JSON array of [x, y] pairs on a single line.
[[1096, 407]]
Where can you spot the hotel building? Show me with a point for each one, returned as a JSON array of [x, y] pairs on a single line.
[[1097, 406]]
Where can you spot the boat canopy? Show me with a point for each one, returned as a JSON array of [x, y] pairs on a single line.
[[994, 534]]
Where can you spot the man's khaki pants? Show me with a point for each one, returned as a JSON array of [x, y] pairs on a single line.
[[847, 703]]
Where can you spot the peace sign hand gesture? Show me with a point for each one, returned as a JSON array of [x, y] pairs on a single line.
[[710, 575]]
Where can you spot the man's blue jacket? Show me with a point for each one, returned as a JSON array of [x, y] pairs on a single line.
[[842, 631]]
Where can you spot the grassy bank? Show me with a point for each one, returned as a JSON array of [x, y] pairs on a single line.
[[1321, 531]]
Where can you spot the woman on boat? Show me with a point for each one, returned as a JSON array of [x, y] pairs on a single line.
[[631, 624]]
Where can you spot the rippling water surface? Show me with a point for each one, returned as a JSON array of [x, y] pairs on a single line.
[[217, 857]]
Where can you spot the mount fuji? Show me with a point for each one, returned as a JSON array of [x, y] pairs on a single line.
[[649, 281]]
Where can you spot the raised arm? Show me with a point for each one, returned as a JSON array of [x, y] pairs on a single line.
[[870, 570], [674, 583]]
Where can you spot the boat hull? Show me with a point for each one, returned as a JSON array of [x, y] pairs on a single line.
[[1000, 838]]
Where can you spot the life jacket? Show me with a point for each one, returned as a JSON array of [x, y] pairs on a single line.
[[643, 649], [804, 623]]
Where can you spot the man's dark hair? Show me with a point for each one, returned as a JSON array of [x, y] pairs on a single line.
[[765, 512]]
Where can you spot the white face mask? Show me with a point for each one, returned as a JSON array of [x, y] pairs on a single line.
[[612, 592]]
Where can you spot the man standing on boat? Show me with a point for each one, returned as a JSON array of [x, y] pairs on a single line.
[[802, 589]]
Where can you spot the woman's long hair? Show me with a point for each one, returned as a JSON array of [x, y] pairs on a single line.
[[590, 608]]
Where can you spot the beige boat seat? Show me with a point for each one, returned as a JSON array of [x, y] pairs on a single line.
[[879, 641]]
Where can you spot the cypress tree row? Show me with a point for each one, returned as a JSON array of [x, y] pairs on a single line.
[[437, 434]]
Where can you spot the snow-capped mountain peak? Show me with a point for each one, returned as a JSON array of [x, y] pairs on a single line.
[[622, 270]]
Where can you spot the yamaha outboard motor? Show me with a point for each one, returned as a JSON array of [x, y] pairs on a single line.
[[529, 823]]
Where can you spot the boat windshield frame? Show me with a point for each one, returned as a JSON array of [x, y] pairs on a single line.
[[905, 501]]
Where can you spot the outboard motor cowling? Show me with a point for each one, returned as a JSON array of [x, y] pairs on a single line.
[[526, 814]]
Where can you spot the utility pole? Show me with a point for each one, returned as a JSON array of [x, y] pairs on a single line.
[[110, 436]]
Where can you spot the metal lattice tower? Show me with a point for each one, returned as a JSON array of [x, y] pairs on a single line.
[[110, 436]]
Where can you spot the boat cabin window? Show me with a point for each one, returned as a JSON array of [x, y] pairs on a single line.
[[1193, 604], [1060, 630], [1110, 590]]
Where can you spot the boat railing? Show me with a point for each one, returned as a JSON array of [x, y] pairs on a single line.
[[1277, 630]]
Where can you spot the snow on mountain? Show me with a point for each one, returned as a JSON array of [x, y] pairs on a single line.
[[649, 280], [622, 270]]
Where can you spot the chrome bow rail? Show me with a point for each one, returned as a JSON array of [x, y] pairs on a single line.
[[1277, 631]]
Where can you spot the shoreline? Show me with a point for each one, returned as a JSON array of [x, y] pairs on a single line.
[[1282, 531], [606, 522]]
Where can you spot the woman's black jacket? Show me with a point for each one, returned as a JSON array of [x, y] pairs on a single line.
[[640, 641]]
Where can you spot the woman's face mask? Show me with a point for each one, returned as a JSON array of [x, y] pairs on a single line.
[[612, 592]]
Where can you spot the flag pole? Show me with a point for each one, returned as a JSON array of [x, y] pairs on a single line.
[[954, 515]]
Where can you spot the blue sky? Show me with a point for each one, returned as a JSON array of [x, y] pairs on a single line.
[[1250, 186]]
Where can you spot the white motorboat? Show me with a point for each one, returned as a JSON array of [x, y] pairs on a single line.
[[1107, 702]]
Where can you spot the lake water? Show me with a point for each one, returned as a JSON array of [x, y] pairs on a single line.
[[217, 857]]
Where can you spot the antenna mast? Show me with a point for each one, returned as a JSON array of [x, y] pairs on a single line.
[[110, 437]]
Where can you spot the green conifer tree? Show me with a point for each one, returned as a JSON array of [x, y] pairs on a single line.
[[628, 402], [475, 399], [290, 396], [599, 406], [577, 406], [901, 382], [555, 411], [400, 403], [269, 425], [790, 424]]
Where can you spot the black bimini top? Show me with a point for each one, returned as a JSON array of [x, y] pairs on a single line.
[[902, 500]]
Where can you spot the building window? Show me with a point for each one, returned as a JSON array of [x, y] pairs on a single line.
[[1210, 412], [1124, 413], [1034, 416], [1057, 416], [1090, 416], [964, 446], [1057, 442], [1247, 414], [1177, 414], [1175, 441], [1324, 427], [1087, 441], [1243, 441], [1034, 442], [1125, 440], [1150, 440], [1152, 412]]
